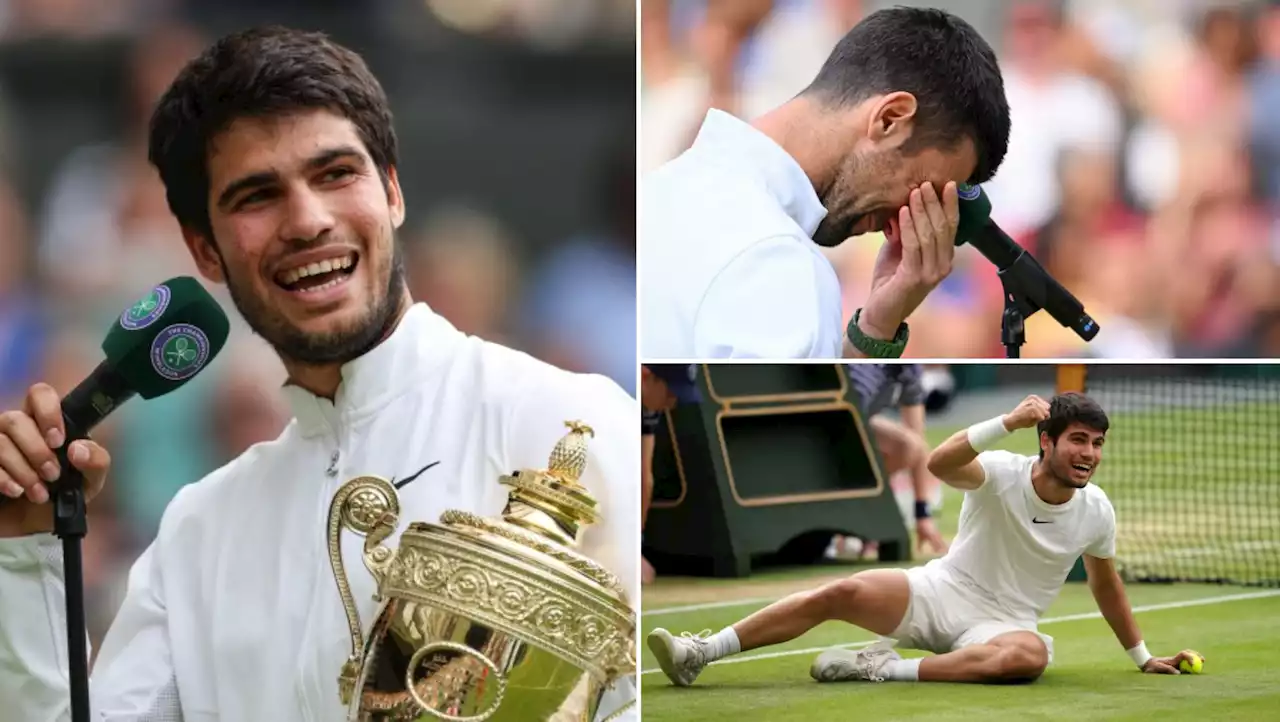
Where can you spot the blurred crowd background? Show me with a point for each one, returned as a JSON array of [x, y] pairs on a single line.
[[516, 121], [1143, 169]]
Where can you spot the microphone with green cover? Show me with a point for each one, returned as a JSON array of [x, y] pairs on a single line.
[[157, 345], [1019, 271]]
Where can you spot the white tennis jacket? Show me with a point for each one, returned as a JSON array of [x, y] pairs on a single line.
[[232, 613]]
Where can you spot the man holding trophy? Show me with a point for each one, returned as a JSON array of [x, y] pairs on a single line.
[[308, 579]]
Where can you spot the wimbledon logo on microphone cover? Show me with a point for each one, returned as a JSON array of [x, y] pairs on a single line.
[[968, 192], [147, 311], [179, 351]]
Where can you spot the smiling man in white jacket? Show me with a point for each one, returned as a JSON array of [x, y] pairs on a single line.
[[279, 159]]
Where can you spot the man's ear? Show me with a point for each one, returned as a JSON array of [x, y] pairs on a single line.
[[892, 119], [395, 198], [204, 253]]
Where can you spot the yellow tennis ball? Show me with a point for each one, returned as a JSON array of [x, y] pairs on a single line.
[[1193, 666]]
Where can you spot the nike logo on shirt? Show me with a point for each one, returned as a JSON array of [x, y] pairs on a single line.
[[1037, 521], [400, 484]]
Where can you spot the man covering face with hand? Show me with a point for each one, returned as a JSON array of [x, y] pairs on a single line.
[[733, 232]]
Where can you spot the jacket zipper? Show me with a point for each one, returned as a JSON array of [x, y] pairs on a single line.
[[323, 574]]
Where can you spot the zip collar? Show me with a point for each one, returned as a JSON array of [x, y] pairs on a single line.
[[420, 344]]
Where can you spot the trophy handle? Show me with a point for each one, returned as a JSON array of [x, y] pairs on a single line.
[[370, 507], [416, 689]]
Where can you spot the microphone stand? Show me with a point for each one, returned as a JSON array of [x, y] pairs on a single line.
[[70, 525], [1019, 304], [1013, 324]]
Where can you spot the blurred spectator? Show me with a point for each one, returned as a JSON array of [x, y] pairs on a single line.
[[21, 326], [1142, 167], [106, 207], [460, 264], [1052, 108], [581, 309], [1264, 105], [1090, 234], [80, 19]]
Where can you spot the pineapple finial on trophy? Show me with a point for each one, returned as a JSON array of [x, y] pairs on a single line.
[[569, 458], [552, 502]]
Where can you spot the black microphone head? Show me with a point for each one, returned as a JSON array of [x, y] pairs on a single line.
[[975, 211], [1086, 327], [167, 337]]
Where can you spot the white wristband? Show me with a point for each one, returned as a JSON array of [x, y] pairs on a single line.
[[985, 433], [1139, 654]]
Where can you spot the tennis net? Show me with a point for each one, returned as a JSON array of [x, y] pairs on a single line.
[[1192, 466]]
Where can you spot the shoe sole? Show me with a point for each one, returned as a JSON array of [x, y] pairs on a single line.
[[660, 642]]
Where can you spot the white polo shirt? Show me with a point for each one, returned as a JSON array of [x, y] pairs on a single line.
[[729, 268], [232, 613]]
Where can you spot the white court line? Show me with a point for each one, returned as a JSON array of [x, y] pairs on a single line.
[[707, 605], [1048, 620]]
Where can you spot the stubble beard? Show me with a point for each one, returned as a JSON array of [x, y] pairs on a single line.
[[331, 347]]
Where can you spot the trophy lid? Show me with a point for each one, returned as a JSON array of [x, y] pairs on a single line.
[[548, 509]]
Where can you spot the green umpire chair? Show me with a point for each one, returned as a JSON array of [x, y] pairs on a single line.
[[771, 462]]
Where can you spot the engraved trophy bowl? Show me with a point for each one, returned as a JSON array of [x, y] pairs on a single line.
[[484, 618]]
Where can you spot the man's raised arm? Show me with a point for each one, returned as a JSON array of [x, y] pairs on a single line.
[[955, 461]]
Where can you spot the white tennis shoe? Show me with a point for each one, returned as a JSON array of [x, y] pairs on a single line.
[[681, 658], [840, 665]]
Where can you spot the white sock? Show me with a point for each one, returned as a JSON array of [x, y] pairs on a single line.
[[722, 644], [903, 670]]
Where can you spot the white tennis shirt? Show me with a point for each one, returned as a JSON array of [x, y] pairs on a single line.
[[232, 613], [729, 268], [1016, 548]]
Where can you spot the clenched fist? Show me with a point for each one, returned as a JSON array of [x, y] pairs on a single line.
[[28, 439], [1030, 412]]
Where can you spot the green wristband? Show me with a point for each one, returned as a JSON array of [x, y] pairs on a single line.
[[874, 347]]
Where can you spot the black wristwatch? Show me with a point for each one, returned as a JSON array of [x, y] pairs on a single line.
[[874, 347]]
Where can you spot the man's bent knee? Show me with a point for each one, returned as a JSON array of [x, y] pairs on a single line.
[[875, 600], [1021, 663], [836, 597]]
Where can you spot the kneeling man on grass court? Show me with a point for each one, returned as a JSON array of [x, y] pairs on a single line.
[[1023, 523]]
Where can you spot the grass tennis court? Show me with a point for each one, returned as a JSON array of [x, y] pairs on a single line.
[[1236, 627], [1091, 679]]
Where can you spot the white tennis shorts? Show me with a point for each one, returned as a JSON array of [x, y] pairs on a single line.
[[944, 615]]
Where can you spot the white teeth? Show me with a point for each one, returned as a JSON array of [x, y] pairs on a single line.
[[323, 286], [292, 275]]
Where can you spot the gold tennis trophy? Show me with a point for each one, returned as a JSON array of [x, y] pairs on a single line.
[[484, 618]]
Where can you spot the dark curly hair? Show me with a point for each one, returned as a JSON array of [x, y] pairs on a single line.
[[259, 72], [1070, 408]]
